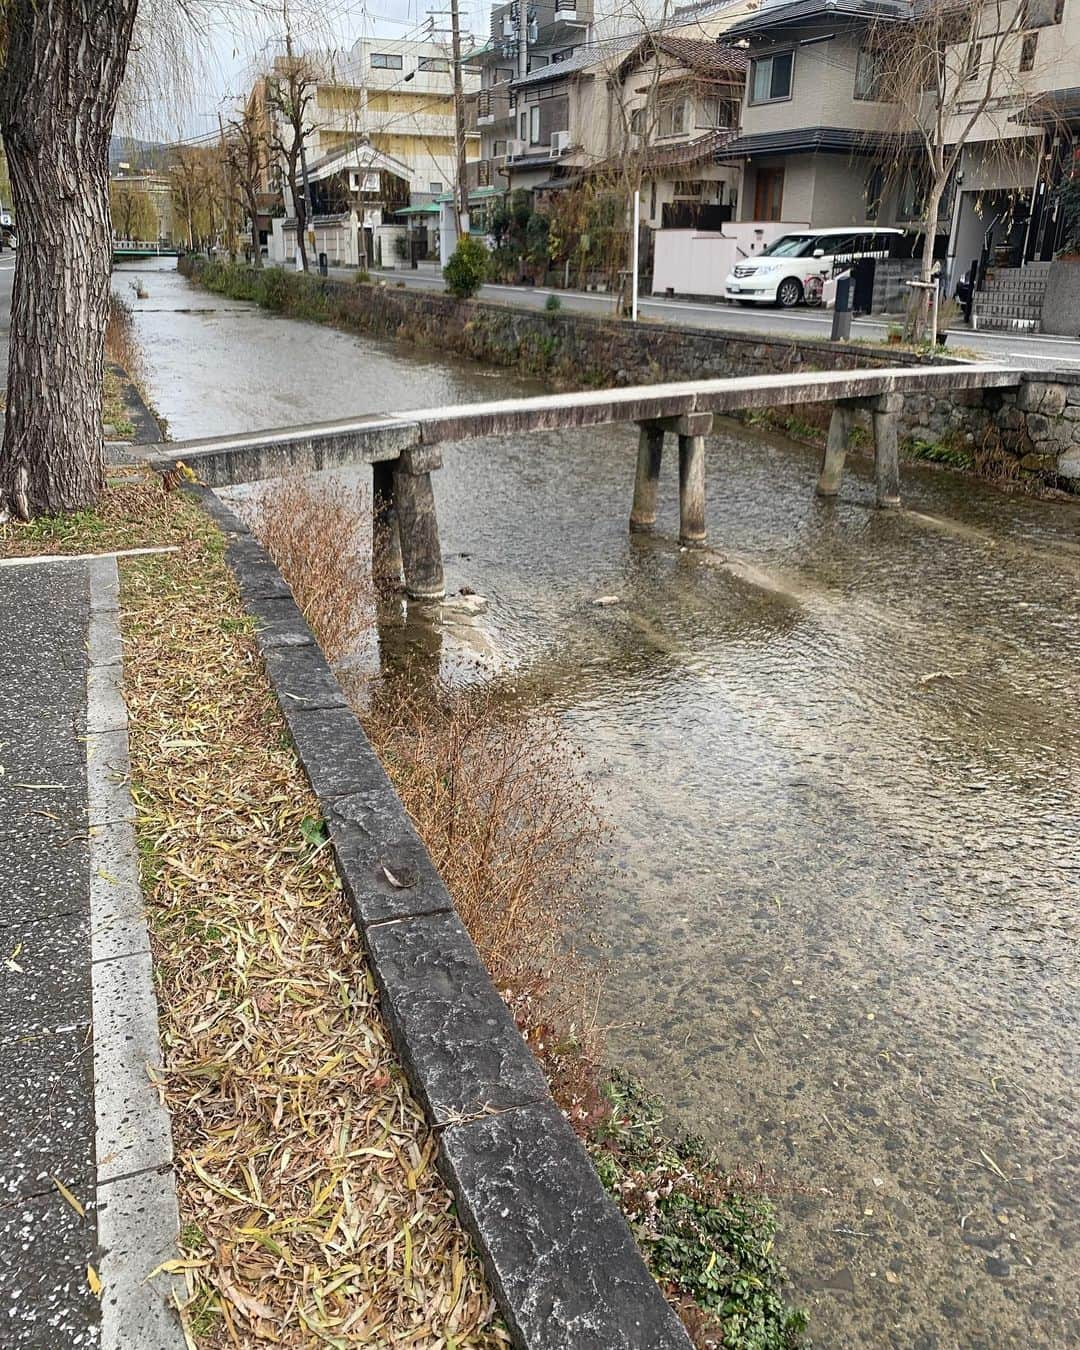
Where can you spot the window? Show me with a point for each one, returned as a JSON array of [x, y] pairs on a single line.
[[673, 118], [637, 121], [1027, 51], [714, 112], [385, 61], [499, 149], [974, 61], [770, 77], [912, 195], [523, 125], [870, 75], [504, 75], [435, 187], [435, 64]]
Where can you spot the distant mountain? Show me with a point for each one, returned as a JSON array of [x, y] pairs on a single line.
[[143, 155]]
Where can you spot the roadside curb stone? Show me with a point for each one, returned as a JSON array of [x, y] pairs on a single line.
[[565, 1268]]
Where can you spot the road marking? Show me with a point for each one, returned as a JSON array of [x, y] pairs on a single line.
[[33, 559]]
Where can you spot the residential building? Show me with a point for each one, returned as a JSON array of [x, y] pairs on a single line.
[[1025, 140], [552, 31], [678, 102], [398, 96], [821, 144], [815, 139]]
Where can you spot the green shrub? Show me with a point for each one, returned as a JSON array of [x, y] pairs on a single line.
[[699, 1234], [465, 272], [553, 304], [363, 277]]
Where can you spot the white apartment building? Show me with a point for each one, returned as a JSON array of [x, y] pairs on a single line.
[[398, 97]]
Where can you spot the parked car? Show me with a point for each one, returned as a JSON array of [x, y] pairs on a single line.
[[780, 274]]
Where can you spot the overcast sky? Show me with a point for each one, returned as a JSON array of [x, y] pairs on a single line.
[[224, 57]]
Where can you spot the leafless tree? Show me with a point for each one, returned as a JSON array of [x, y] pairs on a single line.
[[291, 90], [951, 67], [246, 152]]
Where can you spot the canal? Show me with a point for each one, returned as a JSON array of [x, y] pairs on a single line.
[[840, 757]]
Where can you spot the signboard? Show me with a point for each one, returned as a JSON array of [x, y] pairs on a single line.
[[369, 182]]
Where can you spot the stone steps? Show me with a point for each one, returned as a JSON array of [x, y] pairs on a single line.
[[1012, 297]]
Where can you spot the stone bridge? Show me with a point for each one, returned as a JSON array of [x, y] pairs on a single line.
[[403, 448]]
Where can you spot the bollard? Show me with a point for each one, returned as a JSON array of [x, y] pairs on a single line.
[[841, 319], [324, 269]]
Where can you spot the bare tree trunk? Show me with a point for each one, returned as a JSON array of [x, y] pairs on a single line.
[[64, 65], [256, 246], [924, 306]]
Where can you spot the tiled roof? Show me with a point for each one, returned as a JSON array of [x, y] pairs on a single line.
[[813, 140], [706, 58], [792, 13], [584, 57]]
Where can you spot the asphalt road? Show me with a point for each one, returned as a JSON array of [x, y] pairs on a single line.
[[1025, 350]]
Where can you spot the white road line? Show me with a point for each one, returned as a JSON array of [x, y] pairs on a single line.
[[32, 560], [138, 1219]]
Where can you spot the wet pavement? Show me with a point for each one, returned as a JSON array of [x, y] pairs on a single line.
[[839, 754], [47, 1240]]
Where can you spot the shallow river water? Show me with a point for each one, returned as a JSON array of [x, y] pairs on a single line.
[[839, 752]]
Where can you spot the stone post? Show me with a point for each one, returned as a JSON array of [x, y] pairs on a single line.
[[418, 526], [692, 430], [886, 409], [647, 478], [836, 448], [385, 543]]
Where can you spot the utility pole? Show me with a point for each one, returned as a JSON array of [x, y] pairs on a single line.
[[523, 39], [461, 193]]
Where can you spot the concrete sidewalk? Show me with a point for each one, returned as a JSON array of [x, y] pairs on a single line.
[[86, 1189]]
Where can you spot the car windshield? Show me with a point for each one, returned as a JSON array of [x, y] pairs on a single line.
[[790, 246]]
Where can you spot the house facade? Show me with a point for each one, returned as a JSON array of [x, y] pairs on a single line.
[[523, 39], [817, 145]]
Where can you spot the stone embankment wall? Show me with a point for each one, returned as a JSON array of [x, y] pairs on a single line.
[[1033, 433]]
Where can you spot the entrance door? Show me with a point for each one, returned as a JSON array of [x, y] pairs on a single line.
[[769, 194]]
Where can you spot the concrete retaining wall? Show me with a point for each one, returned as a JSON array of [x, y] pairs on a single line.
[[1006, 434]]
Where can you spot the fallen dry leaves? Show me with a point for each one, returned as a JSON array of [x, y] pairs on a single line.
[[311, 1210]]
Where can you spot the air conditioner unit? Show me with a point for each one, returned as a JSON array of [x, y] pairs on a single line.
[[515, 148], [560, 142]]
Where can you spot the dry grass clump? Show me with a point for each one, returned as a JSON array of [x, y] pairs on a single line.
[[120, 343], [495, 793], [501, 805], [319, 534], [311, 1210]]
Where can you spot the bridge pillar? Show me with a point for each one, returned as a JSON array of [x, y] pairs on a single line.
[[692, 430], [418, 527], [647, 480], [385, 540], [886, 409], [836, 448]]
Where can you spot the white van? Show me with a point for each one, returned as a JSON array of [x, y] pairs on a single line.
[[779, 274]]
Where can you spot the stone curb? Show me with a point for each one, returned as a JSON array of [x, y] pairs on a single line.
[[138, 1217], [564, 1266]]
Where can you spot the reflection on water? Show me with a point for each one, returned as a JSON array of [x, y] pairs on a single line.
[[840, 754]]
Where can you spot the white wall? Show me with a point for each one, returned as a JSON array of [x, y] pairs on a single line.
[[693, 262]]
